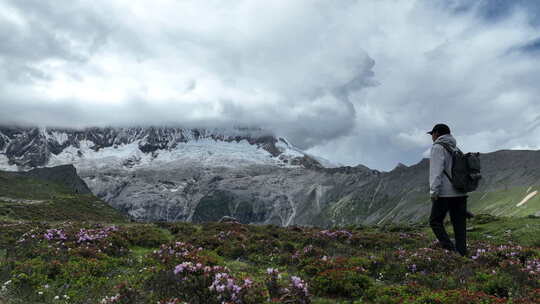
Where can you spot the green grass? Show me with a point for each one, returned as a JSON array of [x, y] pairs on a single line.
[[503, 202], [50, 202], [14, 186], [80, 207], [498, 230], [379, 256], [524, 231]]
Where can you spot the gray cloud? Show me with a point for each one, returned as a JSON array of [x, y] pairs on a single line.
[[353, 81], [439, 65], [278, 65]]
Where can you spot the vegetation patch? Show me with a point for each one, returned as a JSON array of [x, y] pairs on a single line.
[[89, 262]]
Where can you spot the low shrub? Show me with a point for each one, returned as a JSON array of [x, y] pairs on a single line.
[[349, 283]]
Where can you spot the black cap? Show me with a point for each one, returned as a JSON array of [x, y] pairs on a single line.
[[440, 129]]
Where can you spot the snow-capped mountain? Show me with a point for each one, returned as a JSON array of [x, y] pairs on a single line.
[[172, 174], [132, 148], [176, 174]]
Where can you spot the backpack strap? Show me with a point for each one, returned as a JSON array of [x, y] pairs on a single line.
[[448, 176], [447, 148]]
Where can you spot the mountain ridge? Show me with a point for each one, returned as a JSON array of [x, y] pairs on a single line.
[[22, 148], [205, 179]]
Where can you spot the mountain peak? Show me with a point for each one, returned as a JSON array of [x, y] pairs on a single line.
[[400, 166], [25, 148]]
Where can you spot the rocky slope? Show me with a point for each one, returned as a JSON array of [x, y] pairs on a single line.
[[163, 174]]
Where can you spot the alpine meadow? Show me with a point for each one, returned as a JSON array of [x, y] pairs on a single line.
[[258, 152]]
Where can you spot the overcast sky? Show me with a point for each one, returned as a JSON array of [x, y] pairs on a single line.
[[357, 82]]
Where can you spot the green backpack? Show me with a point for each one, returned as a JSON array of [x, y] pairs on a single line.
[[465, 169]]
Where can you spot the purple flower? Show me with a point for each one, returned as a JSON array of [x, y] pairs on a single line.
[[52, 234], [298, 285], [272, 271], [181, 267]]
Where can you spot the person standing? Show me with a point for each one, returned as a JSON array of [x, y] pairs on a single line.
[[444, 196]]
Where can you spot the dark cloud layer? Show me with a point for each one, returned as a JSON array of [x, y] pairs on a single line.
[[353, 81]]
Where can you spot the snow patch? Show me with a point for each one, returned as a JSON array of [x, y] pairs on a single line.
[[527, 198], [59, 137], [287, 149], [4, 164], [206, 152]]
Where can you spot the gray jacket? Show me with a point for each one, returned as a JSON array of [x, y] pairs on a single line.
[[441, 160]]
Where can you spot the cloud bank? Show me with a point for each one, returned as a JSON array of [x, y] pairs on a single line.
[[353, 81]]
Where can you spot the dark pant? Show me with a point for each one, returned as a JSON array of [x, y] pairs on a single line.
[[457, 206]]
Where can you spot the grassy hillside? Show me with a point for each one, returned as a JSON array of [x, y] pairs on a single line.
[[79, 262], [513, 201], [505, 201], [27, 198], [509, 187]]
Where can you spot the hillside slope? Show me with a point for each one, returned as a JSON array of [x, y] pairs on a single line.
[[50, 194], [509, 187]]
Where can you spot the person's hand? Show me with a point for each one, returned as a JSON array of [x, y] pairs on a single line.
[[434, 197]]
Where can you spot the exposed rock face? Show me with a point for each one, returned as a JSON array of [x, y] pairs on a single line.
[[324, 197], [163, 174], [251, 194]]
